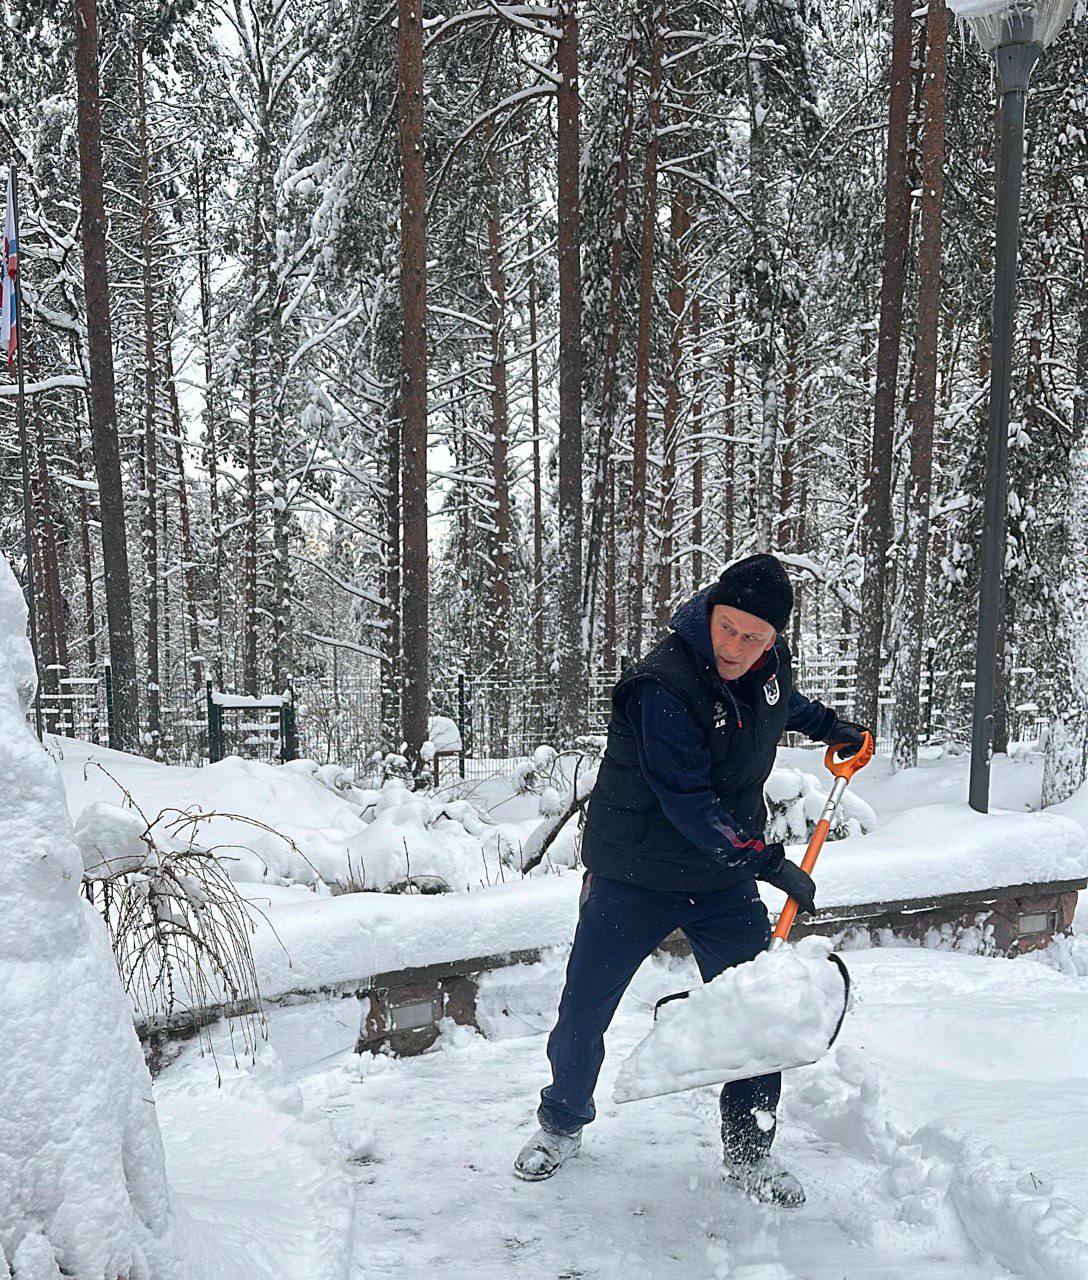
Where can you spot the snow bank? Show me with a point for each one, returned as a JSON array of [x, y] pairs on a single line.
[[1068, 954], [334, 940], [779, 1010], [82, 1174], [1006, 1215], [305, 823], [300, 823], [947, 848]]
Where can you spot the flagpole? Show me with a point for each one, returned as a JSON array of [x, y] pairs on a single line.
[[20, 412]]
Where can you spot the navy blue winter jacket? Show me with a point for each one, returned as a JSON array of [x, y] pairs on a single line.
[[696, 750]]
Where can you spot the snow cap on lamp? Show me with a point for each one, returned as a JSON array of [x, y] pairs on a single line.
[[1000, 22]]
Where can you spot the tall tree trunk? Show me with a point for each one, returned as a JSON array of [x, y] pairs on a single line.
[[800, 591], [41, 622], [762, 271], [211, 445], [680, 226], [413, 375], [51, 597], [786, 536], [696, 444], [192, 616], [645, 327], [250, 676], [102, 402], [391, 614], [282, 660], [878, 512], [538, 481], [602, 538], [729, 326], [863, 469], [909, 667], [571, 655], [164, 578], [150, 439], [86, 553], [501, 534]]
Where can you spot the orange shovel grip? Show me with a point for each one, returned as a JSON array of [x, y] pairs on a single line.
[[848, 767]]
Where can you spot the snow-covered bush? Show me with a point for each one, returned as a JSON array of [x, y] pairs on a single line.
[[340, 780], [83, 1189], [444, 735], [395, 766], [526, 779], [1068, 954], [795, 801]]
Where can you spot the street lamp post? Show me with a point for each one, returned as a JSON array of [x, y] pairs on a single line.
[[1016, 34]]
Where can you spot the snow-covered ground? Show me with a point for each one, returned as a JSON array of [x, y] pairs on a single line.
[[944, 1140], [947, 1135]]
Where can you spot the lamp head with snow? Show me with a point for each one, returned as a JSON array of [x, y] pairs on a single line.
[[999, 23]]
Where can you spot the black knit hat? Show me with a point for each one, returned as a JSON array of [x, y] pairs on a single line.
[[757, 585]]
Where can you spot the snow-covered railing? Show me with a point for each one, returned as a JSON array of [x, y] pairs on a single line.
[[237, 701]]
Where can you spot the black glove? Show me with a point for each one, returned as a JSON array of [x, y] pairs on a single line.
[[788, 876], [847, 735]]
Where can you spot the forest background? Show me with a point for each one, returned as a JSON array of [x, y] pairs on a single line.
[[371, 347]]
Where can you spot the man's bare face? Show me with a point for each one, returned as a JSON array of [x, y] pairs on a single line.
[[739, 640]]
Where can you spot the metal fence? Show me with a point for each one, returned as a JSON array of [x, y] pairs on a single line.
[[945, 697], [341, 721]]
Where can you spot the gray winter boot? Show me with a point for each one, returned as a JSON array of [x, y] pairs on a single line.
[[767, 1181], [544, 1153]]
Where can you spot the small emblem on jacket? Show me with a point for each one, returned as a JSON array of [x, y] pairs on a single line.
[[771, 691], [721, 716]]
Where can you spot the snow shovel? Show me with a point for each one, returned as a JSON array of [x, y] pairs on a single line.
[[783, 1009]]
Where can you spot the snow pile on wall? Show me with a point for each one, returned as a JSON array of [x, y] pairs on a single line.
[[82, 1174], [949, 848], [333, 940], [935, 850]]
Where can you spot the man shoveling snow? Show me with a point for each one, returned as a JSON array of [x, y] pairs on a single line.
[[674, 839]]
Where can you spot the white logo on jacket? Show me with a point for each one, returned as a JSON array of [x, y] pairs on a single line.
[[721, 716], [771, 691]]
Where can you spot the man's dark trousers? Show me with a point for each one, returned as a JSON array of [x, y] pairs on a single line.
[[619, 925]]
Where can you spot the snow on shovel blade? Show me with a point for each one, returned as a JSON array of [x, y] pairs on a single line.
[[781, 1010]]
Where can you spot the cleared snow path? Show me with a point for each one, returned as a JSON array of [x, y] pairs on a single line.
[[428, 1143]]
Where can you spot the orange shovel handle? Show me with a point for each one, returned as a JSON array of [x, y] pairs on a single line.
[[843, 770]]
